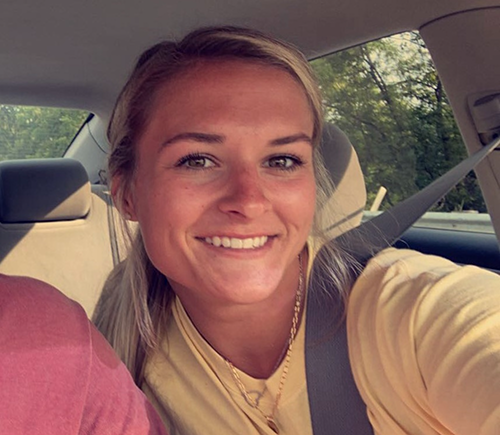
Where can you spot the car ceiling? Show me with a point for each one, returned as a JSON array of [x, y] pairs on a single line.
[[78, 54]]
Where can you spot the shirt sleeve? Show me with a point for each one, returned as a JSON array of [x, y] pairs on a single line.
[[43, 359], [115, 405], [57, 372], [424, 344]]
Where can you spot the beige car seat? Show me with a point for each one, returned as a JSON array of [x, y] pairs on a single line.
[[54, 227], [344, 209]]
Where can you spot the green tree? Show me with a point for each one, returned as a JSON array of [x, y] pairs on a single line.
[[37, 132], [388, 98]]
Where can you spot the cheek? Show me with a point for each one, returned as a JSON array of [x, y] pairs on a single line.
[[309, 204], [299, 204], [159, 223], [166, 210], [152, 210]]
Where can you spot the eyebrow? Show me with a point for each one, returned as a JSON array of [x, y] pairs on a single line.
[[195, 137], [299, 137], [217, 139]]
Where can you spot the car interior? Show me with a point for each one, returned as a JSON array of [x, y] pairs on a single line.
[[57, 220]]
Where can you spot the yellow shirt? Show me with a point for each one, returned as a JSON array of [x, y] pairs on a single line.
[[195, 393], [424, 345]]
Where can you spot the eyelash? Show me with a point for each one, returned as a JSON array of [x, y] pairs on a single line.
[[297, 162], [182, 162]]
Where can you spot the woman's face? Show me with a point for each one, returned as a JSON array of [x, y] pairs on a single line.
[[224, 188]]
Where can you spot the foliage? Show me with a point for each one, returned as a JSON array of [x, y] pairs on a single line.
[[37, 132], [388, 98]]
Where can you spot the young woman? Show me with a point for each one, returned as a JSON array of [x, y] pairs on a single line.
[[215, 153]]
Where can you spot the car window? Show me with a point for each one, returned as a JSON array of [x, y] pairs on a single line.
[[37, 132], [387, 97]]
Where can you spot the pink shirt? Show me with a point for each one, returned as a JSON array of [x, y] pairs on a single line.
[[58, 375]]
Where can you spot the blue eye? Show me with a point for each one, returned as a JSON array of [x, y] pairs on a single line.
[[284, 162], [195, 161]]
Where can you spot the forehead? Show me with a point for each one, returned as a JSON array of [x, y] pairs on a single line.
[[209, 88], [231, 72]]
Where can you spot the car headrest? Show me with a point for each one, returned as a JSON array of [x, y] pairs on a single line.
[[43, 190], [344, 209]]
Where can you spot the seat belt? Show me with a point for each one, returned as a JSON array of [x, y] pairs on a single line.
[[366, 240], [336, 406], [103, 192]]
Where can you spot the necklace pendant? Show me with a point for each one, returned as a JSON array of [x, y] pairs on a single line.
[[272, 424]]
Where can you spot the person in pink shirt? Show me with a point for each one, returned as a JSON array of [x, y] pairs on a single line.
[[58, 375]]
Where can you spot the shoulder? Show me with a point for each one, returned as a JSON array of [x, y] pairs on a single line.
[[29, 307], [411, 277], [416, 325], [59, 374], [26, 290], [410, 289], [410, 263], [115, 405], [44, 347]]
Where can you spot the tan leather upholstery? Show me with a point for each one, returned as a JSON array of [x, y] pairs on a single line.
[[344, 209], [72, 251]]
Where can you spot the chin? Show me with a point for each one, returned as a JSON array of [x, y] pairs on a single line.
[[247, 289]]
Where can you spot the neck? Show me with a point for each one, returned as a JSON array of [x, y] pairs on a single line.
[[255, 337]]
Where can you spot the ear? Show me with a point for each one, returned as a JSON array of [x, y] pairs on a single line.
[[123, 198]]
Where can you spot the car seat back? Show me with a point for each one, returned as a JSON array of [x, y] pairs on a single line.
[[344, 209], [55, 227]]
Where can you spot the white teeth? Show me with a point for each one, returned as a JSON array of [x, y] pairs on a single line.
[[235, 243], [247, 244]]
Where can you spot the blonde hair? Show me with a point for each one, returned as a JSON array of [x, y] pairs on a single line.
[[134, 307]]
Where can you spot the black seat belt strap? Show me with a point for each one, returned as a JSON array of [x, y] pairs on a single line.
[[335, 404]]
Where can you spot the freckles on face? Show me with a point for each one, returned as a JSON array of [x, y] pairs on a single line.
[[224, 189]]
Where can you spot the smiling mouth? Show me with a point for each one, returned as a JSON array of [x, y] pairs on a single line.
[[235, 243]]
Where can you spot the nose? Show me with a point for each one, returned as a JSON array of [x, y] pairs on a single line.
[[245, 194]]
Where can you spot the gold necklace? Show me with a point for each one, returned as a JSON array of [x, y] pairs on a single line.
[[271, 422]]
